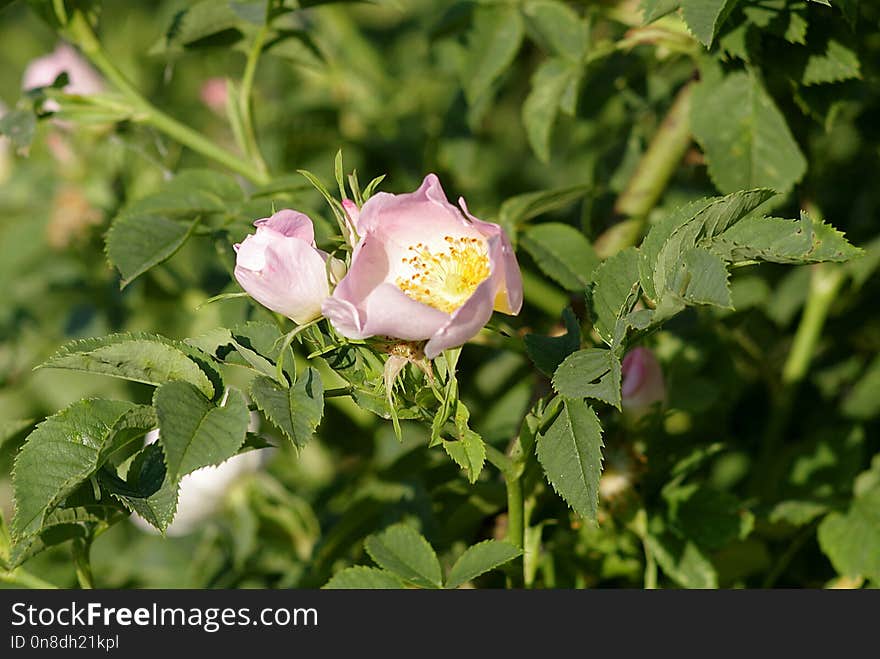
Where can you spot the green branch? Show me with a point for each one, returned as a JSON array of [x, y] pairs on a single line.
[[80, 31]]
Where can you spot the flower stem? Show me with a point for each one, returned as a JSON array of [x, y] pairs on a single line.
[[81, 550], [21, 577], [82, 34], [245, 104]]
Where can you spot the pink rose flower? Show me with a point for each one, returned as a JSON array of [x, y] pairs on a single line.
[[643, 383], [424, 270], [82, 78], [280, 267], [213, 94]]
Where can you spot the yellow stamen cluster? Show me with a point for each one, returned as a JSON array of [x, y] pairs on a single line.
[[445, 279]]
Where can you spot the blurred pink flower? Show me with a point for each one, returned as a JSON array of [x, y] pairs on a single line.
[[82, 78], [282, 269], [213, 94], [424, 270], [643, 383]]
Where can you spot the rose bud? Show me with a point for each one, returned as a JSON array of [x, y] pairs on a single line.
[[280, 267], [82, 78], [213, 94], [642, 380], [424, 270]]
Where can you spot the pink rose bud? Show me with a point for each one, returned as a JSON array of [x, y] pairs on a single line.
[[82, 78], [213, 94], [280, 267], [424, 270], [642, 380]]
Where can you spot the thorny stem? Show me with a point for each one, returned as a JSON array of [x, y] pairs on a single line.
[[81, 32]]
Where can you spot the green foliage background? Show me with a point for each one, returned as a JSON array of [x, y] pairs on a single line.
[[764, 467]]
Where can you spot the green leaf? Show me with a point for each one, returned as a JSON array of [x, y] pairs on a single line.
[[493, 42], [682, 561], [558, 27], [705, 17], [744, 136], [468, 452], [571, 454], [402, 550], [702, 279], [362, 577], [590, 373], [63, 451], [616, 284], [522, 208], [654, 9], [710, 518], [12, 428], [136, 243], [295, 411], [551, 83], [547, 352], [783, 241], [662, 252], [147, 490], [836, 64], [563, 253], [19, 127], [193, 432], [863, 401], [146, 358], [479, 559], [198, 21], [852, 539]]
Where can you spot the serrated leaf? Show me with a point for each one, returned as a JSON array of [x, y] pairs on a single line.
[[852, 539], [571, 454], [654, 9], [547, 352], [705, 17], [296, 411], [783, 241], [146, 358], [193, 432], [836, 64], [493, 42], [136, 243], [703, 279], [663, 250], [590, 373], [479, 559], [12, 428], [63, 451], [563, 253], [362, 577], [550, 84], [615, 283], [468, 452], [147, 489], [198, 21], [744, 136], [402, 550]]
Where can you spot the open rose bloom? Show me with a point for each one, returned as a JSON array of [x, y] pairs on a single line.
[[282, 269], [424, 270]]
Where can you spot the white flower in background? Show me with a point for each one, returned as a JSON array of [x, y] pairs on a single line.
[[202, 492]]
